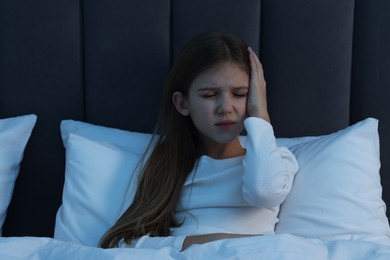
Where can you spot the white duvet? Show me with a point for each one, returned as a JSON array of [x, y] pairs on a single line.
[[281, 246]]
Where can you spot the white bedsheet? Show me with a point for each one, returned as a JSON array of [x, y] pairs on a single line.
[[280, 246]]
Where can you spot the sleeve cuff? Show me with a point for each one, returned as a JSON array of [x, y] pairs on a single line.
[[146, 241], [256, 122]]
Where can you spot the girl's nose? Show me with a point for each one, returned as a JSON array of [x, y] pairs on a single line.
[[225, 105]]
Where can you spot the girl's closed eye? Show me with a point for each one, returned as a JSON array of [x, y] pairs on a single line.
[[240, 94], [208, 94]]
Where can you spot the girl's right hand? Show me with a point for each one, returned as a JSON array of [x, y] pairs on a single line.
[[257, 96]]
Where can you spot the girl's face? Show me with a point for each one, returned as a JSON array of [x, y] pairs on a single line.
[[216, 103]]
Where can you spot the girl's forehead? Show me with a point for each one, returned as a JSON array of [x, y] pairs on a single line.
[[225, 65], [227, 73], [223, 70]]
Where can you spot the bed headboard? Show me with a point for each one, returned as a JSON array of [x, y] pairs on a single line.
[[327, 65]]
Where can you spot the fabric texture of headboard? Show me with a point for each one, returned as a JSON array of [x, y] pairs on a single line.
[[327, 65]]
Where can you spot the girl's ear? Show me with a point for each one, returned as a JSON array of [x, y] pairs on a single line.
[[180, 103]]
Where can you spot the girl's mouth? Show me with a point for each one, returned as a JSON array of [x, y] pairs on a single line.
[[225, 124]]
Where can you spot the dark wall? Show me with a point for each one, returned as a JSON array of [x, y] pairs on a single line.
[[40, 72], [105, 62], [371, 75]]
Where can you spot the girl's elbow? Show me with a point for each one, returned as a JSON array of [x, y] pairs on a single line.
[[269, 196], [264, 199]]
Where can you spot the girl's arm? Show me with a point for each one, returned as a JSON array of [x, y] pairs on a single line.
[[156, 242], [180, 243], [268, 170], [201, 239]]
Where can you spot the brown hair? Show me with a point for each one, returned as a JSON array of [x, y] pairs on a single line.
[[173, 148]]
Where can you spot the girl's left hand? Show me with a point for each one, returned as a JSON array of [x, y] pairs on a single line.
[[257, 95], [206, 238]]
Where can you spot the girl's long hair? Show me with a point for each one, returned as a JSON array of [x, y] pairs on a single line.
[[174, 148]]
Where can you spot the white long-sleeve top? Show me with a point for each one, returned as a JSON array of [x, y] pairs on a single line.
[[239, 195]]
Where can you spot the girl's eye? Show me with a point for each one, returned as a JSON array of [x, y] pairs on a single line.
[[209, 94], [240, 94]]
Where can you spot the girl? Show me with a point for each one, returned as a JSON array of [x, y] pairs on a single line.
[[199, 183]]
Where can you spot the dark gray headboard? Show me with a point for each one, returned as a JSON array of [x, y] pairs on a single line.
[[327, 65]]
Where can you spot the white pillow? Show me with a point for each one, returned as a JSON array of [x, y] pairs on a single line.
[[89, 171], [104, 161], [132, 141], [14, 135], [99, 185], [337, 192]]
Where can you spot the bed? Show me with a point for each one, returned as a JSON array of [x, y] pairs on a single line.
[[75, 74]]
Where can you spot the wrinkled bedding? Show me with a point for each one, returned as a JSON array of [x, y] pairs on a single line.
[[281, 246]]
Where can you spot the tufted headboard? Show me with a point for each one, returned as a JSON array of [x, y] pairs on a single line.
[[327, 65]]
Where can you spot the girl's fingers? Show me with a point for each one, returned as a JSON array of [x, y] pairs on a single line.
[[257, 101], [258, 67]]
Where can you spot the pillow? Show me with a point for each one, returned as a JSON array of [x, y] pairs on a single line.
[[337, 192], [99, 185], [99, 159], [132, 141], [14, 134]]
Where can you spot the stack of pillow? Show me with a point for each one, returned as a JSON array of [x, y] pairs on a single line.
[[336, 194]]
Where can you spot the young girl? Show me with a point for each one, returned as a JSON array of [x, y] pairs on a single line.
[[199, 183]]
